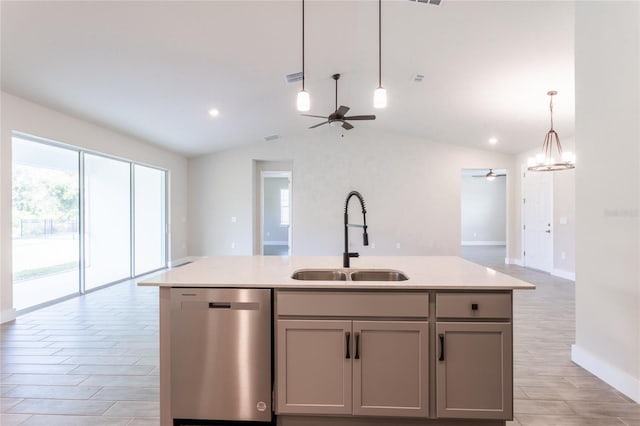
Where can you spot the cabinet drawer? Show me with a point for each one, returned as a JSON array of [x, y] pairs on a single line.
[[360, 304], [473, 305]]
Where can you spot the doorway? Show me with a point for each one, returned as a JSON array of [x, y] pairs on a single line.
[[537, 219], [483, 215], [275, 234]]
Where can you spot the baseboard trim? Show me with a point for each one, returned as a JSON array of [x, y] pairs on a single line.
[[623, 382], [512, 261], [276, 243], [7, 315], [182, 261], [483, 243], [564, 274]]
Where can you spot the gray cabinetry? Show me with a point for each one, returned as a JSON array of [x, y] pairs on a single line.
[[390, 373], [474, 356], [314, 372], [369, 366]]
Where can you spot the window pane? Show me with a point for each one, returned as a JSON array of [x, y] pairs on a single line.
[[149, 190], [44, 222], [107, 220], [284, 207]]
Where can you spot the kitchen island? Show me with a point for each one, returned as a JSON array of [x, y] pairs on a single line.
[[433, 349]]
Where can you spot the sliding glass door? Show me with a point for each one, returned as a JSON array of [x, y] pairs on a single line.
[[107, 189], [81, 220], [150, 219], [45, 221]]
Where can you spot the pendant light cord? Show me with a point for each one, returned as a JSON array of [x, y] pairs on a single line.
[[379, 43], [551, 109], [303, 45]]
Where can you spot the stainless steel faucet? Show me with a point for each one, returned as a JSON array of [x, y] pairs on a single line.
[[365, 237]]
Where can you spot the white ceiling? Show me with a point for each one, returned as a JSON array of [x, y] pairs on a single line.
[[152, 69]]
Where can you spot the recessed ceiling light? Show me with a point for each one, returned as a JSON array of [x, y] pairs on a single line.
[[214, 112], [493, 141]]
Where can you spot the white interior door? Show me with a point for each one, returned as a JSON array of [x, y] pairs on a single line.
[[538, 220]]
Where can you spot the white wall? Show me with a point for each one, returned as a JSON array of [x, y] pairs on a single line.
[[411, 187], [608, 192], [564, 206], [21, 115], [484, 210]]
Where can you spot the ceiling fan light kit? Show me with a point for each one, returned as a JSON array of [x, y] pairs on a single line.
[[545, 160], [339, 118], [491, 175], [303, 101]]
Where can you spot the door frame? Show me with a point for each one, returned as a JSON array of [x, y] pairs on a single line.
[[523, 239], [264, 174]]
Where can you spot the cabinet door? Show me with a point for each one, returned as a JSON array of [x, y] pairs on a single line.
[[313, 367], [474, 370], [390, 368]]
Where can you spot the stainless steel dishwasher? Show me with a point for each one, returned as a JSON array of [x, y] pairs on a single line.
[[221, 354]]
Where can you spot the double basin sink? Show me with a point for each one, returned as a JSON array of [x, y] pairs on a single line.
[[349, 275]]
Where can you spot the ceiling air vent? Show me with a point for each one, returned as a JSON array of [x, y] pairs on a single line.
[[271, 138], [417, 78], [293, 78], [433, 2]]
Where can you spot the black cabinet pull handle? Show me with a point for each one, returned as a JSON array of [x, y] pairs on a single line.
[[357, 356], [474, 306], [348, 344], [441, 336], [219, 305]]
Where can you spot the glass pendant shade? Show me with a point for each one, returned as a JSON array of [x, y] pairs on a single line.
[[303, 102], [380, 97], [490, 178]]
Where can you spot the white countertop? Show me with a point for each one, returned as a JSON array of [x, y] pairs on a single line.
[[424, 272]]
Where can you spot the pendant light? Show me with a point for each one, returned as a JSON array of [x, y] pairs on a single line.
[[380, 94], [303, 101], [545, 160]]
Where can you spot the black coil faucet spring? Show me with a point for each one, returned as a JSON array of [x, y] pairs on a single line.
[[365, 237]]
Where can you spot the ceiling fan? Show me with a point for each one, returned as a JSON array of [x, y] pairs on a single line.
[[338, 117], [491, 175]]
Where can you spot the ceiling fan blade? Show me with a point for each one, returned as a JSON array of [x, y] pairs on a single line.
[[342, 110], [484, 176], [347, 126], [319, 124], [500, 175], [315, 116], [361, 117]]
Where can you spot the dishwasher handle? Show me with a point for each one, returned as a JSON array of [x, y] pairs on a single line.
[[205, 305], [219, 305]]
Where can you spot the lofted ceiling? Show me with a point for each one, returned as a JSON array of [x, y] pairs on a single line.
[[152, 69]]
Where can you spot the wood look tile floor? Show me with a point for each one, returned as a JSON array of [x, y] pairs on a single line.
[[93, 360]]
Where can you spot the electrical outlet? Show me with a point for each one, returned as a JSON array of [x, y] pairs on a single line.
[[233, 245], [233, 219], [563, 255], [373, 245], [397, 245], [475, 234]]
